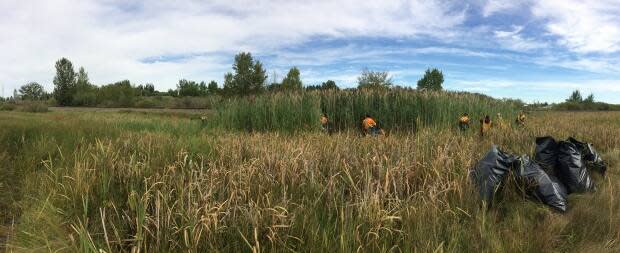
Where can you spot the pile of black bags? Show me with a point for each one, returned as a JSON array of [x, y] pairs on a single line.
[[558, 169]]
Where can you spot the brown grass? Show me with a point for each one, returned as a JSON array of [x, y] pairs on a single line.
[[129, 182]]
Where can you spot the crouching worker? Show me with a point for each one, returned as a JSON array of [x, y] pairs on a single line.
[[464, 122], [324, 123], [485, 125], [520, 119], [369, 127]]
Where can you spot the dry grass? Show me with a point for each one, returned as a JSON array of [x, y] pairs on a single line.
[[143, 183]]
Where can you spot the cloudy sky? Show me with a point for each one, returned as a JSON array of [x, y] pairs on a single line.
[[532, 50]]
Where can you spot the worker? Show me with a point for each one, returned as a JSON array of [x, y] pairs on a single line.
[[369, 126], [324, 122], [520, 119], [464, 122], [485, 125]]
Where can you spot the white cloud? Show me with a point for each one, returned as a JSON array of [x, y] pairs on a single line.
[[514, 40], [491, 7], [582, 26], [110, 38]]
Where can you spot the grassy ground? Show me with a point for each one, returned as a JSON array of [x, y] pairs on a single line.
[[84, 182]]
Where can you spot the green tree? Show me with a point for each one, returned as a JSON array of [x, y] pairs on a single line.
[[64, 82], [82, 79], [172, 93], [149, 89], [432, 80], [145, 90], [202, 87], [32, 91], [575, 97], [249, 76], [119, 94], [374, 80], [85, 93], [329, 85], [292, 81], [229, 85], [259, 76], [189, 88], [589, 99], [212, 88], [274, 87]]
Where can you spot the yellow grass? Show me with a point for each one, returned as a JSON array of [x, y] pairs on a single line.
[[144, 183]]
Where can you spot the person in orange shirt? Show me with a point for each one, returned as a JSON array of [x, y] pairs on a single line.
[[520, 119], [485, 125], [464, 122], [369, 126], [324, 122]]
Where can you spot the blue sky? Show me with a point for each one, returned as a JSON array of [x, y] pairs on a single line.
[[531, 50]]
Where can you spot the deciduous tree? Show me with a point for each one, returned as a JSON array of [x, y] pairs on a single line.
[[432, 80], [292, 81], [374, 80], [64, 82], [32, 91]]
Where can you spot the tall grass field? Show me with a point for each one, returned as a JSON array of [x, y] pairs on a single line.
[[136, 182], [400, 110]]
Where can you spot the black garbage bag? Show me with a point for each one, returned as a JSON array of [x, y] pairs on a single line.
[[489, 173], [539, 184], [546, 152], [592, 158], [572, 170]]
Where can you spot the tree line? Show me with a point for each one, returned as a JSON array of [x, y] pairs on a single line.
[[576, 102], [248, 77]]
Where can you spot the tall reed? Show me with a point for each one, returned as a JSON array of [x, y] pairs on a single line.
[[394, 110]]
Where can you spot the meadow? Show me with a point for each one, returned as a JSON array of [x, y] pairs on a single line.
[[139, 182]]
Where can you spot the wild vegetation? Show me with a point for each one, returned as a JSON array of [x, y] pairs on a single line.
[[402, 110], [577, 103], [248, 78], [256, 174], [112, 182]]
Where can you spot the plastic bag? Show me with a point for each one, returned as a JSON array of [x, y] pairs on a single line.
[[539, 184], [489, 172], [571, 169], [592, 158], [546, 152]]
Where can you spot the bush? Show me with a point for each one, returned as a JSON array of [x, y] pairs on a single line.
[[206, 102], [147, 102], [85, 98], [34, 107], [583, 106], [7, 107]]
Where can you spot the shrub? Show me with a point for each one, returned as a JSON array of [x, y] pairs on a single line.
[[206, 102], [147, 102], [85, 98], [34, 107], [7, 107]]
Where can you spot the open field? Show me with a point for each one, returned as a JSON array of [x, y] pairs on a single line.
[[85, 182], [148, 110]]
